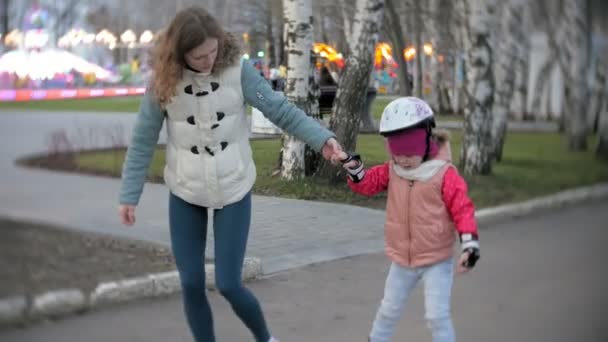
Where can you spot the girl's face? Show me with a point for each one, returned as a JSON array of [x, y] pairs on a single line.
[[202, 57], [407, 162]]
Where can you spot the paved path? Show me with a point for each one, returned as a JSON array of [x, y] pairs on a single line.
[[285, 233], [540, 279]]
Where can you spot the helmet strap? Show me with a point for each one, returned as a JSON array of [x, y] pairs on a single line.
[[428, 142]]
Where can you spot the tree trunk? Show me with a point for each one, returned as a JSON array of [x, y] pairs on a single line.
[[544, 74], [460, 80], [419, 51], [602, 133], [393, 27], [523, 71], [298, 33], [434, 99], [347, 23], [576, 47], [312, 158], [476, 141], [511, 35], [272, 58], [350, 97], [4, 6], [598, 96]]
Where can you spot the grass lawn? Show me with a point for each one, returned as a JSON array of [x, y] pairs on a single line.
[[131, 104], [534, 164], [103, 104]]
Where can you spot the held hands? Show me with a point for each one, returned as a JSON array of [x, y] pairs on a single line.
[[353, 164], [127, 214], [331, 150]]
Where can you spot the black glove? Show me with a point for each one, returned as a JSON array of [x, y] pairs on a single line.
[[470, 244], [357, 172]]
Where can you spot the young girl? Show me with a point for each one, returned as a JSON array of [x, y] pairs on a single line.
[[427, 199]]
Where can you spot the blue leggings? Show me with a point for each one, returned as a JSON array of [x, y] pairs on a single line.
[[188, 224]]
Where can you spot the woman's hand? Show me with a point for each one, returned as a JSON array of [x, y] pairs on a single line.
[[332, 150], [127, 214]]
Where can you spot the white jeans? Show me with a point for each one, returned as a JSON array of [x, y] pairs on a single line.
[[437, 292]]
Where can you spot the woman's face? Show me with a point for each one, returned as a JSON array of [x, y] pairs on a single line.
[[202, 57]]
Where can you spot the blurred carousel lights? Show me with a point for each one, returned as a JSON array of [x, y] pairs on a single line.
[[35, 39], [107, 38], [128, 38], [146, 37], [74, 37], [13, 38]]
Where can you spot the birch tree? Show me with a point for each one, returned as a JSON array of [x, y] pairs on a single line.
[[4, 26], [576, 49], [598, 96], [394, 30], [601, 150], [511, 35], [435, 71], [298, 42], [351, 94], [476, 141], [602, 129]]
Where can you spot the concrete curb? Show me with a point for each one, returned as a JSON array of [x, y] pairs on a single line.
[[54, 304], [556, 201]]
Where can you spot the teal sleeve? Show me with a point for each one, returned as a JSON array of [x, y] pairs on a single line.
[[139, 154], [259, 94]]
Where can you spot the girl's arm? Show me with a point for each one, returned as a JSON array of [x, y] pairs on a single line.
[[462, 210], [371, 181], [458, 202]]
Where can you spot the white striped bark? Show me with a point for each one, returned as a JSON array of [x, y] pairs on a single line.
[[601, 150], [434, 71], [477, 138], [298, 43], [598, 96], [351, 94], [576, 50], [347, 22], [511, 35], [460, 27], [602, 129]]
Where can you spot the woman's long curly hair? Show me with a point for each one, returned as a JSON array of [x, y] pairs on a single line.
[[189, 29]]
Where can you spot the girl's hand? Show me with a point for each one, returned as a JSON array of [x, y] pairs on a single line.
[[127, 214], [353, 165], [460, 268]]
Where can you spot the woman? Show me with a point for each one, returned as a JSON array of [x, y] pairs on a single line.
[[201, 89]]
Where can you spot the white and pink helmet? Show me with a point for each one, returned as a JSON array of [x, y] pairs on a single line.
[[405, 112]]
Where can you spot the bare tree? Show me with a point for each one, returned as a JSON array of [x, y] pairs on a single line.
[[418, 23], [601, 150], [4, 6], [542, 82], [598, 96], [299, 34], [576, 52], [434, 67], [347, 23], [511, 35], [350, 97], [394, 30], [476, 141]]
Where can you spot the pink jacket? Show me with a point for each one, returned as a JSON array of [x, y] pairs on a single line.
[[421, 217]]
